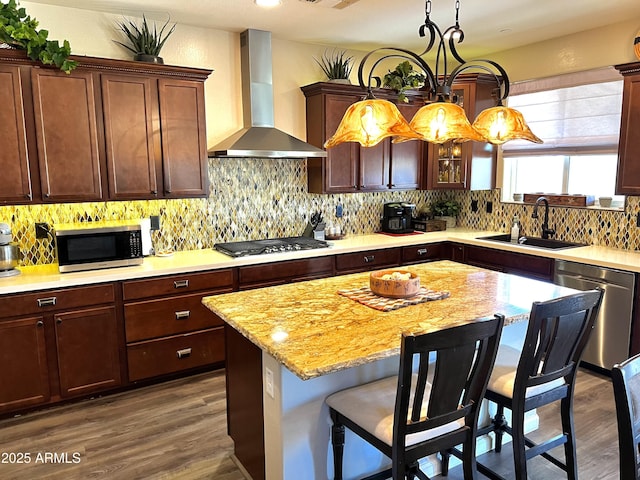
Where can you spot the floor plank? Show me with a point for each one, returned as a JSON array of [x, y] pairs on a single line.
[[177, 430]]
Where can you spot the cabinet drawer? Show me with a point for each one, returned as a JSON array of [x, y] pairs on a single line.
[[510, 262], [168, 316], [174, 354], [370, 260], [421, 253], [218, 281], [56, 300], [284, 272]]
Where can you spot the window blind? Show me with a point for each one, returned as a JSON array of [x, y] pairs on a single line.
[[579, 118]]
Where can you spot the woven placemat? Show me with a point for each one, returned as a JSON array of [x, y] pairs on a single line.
[[365, 296]]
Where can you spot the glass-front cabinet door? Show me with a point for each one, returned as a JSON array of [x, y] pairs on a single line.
[[466, 165], [450, 158]]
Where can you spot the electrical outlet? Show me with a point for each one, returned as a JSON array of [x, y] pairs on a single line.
[[268, 382], [474, 205], [155, 222], [339, 210], [489, 207], [42, 230], [638, 220]]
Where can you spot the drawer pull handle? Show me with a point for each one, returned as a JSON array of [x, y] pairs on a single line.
[[183, 315], [184, 353], [422, 251], [181, 284], [46, 302], [369, 258]]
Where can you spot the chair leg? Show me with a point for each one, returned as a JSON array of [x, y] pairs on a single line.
[[337, 441], [519, 443], [499, 422], [445, 454], [469, 459], [566, 412]]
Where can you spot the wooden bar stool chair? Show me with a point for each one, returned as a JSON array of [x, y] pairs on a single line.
[[412, 415], [626, 390], [543, 372]]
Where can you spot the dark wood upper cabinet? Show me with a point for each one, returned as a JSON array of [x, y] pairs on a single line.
[[184, 142], [15, 183], [110, 130], [66, 131], [127, 103], [348, 166], [628, 177], [468, 165]]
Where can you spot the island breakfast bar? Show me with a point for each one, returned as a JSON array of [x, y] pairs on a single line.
[[290, 346]]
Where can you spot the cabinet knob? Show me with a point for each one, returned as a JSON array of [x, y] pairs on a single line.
[[46, 195], [369, 258], [154, 192], [183, 315], [46, 302], [184, 353], [181, 284], [58, 321], [39, 323], [28, 196]]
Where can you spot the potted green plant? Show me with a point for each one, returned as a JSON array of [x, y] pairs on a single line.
[[446, 210], [144, 42], [336, 66], [18, 30], [403, 78]]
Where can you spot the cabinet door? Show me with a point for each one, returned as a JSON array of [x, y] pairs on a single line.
[[15, 181], [129, 136], [407, 157], [628, 177], [184, 143], [450, 160], [66, 132], [374, 166], [24, 375], [88, 351], [341, 164]]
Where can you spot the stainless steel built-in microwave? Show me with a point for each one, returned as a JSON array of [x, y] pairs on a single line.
[[93, 246]]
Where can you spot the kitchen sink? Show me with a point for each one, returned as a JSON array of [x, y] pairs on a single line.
[[533, 241]]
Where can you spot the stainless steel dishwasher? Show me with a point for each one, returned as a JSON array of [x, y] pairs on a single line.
[[609, 342]]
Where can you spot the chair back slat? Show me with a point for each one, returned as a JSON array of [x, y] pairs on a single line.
[[556, 336], [625, 378], [461, 360]]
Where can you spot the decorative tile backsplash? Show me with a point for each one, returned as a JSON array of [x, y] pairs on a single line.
[[267, 198]]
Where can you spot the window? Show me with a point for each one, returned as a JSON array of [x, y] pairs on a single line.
[[578, 117]]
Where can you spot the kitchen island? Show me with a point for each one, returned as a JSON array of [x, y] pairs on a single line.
[[290, 346]]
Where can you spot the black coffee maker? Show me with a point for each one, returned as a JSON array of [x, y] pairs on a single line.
[[396, 217]]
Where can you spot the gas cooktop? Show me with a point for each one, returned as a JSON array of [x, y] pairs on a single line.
[[271, 245]]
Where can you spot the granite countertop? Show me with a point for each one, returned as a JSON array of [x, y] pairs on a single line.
[[313, 331], [48, 277]]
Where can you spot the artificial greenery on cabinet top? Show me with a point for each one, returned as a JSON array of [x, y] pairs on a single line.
[[19, 30]]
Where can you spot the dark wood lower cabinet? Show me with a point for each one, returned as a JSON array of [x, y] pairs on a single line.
[[87, 350], [245, 416], [24, 375], [539, 268]]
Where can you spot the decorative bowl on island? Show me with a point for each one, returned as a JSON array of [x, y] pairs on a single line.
[[394, 283]]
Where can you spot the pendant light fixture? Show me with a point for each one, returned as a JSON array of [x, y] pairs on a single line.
[[371, 120]]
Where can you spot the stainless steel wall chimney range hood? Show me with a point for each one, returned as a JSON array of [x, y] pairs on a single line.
[[259, 138]]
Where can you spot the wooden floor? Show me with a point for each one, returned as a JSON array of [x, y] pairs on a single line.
[[177, 430]]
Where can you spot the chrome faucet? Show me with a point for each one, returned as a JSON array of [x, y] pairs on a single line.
[[546, 231]]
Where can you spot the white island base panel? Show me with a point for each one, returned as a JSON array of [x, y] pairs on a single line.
[[297, 426]]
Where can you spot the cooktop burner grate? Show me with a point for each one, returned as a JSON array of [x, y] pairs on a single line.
[[270, 245]]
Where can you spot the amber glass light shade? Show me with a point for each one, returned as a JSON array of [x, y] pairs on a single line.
[[501, 124], [370, 121], [440, 122]]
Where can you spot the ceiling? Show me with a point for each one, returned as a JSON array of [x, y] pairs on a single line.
[[489, 26]]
